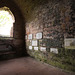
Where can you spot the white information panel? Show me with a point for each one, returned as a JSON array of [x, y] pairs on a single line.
[[54, 50], [34, 42], [69, 43], [30, 36], [39, 36], [43, 49], [26, 37], [30, 47], [35, 48]]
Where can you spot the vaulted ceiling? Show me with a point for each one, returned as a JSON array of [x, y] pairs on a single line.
[[27, 7]]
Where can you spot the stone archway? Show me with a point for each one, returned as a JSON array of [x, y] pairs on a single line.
[[7, 20], [18, 27]]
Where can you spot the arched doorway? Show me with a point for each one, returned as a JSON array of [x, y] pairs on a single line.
[[18, 27], [7, 20]]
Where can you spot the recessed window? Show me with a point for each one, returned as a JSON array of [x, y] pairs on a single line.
[[6, 22]]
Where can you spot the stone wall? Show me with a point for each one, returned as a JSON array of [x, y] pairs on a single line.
[[45, 34]]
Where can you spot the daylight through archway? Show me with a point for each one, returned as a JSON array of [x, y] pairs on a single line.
[[6, 22]]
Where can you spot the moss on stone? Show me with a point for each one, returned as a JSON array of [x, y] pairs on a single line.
[[62, 60]]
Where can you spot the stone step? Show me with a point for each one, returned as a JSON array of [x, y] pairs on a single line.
[[7, 55], [5, 47], [7, 52]]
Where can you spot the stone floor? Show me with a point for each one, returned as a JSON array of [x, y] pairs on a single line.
[[28, 66]]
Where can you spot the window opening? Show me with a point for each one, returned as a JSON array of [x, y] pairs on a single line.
[[6, 22]]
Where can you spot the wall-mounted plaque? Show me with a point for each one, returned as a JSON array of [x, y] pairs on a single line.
[[69, 43], [30, 36], [43, 49], [35, 48], [39, 36], [30, 47], [54, 50], [30, 42], [26, 37], [34, 42]]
